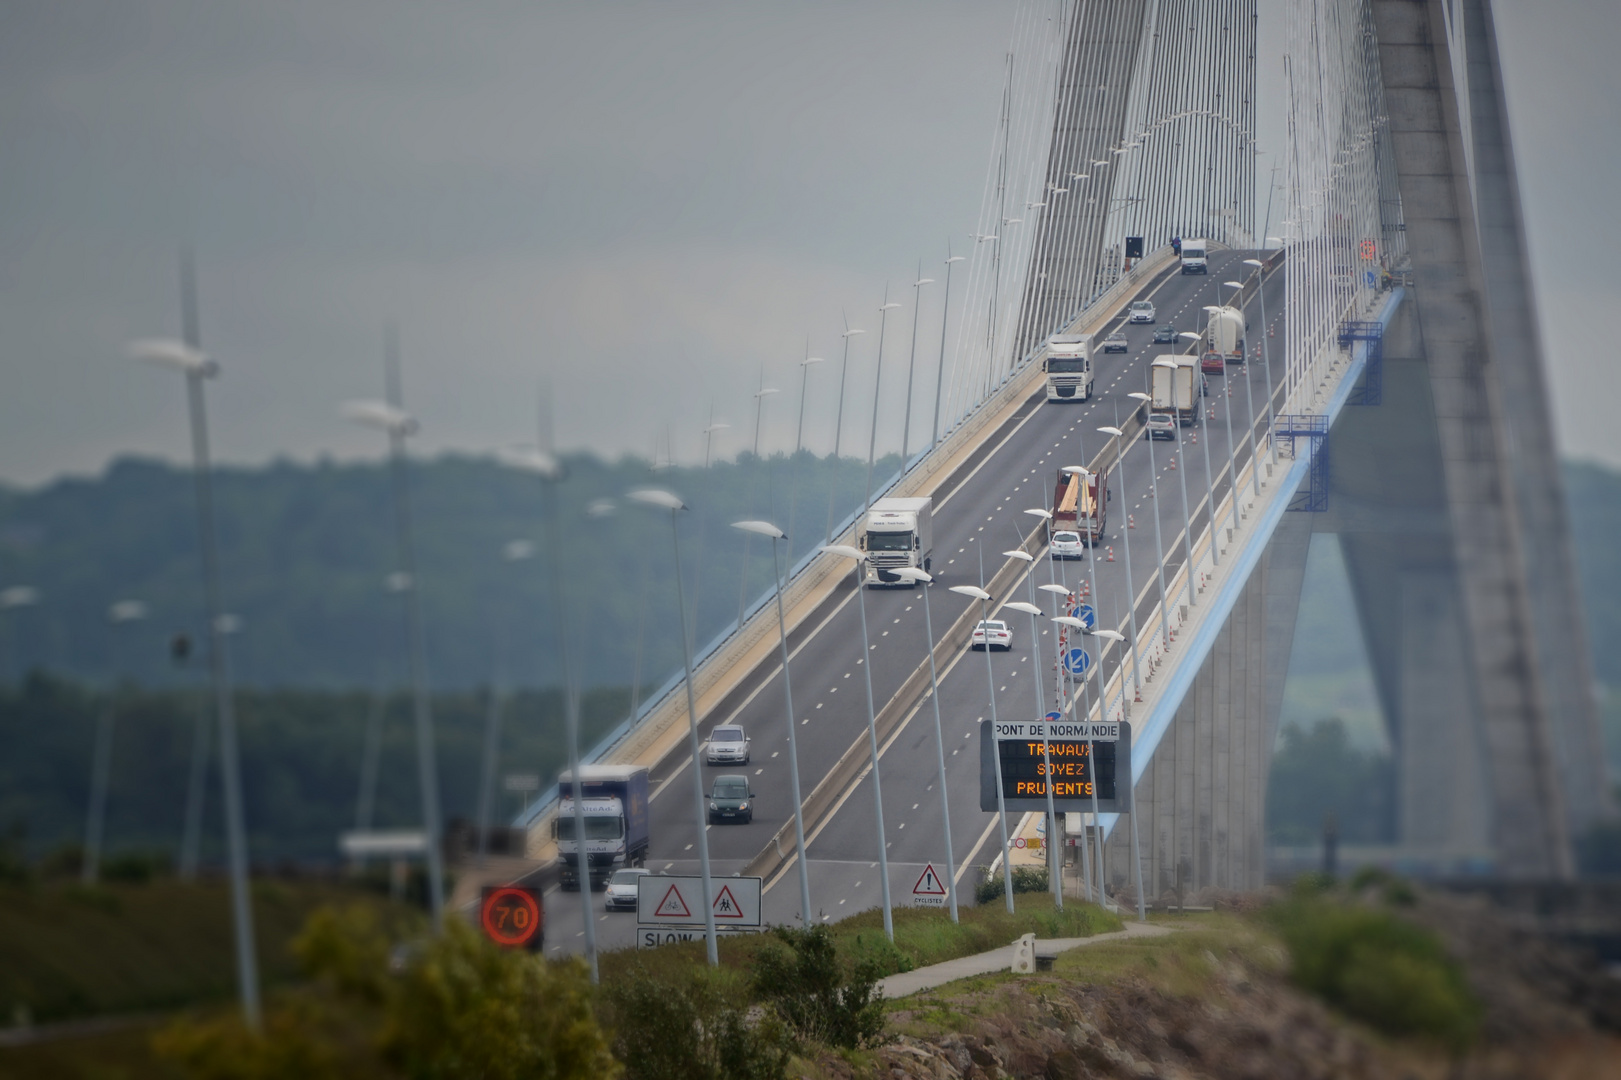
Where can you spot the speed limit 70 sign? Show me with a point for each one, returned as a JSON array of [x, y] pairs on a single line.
[[511, 915]]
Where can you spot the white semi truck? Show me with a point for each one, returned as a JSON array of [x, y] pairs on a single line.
[[1195, 257], [1069, 367], [896, 533]]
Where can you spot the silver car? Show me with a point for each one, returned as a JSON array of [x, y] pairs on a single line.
[[728, 745], [622, 889], [1116, 342], [1142, 311]]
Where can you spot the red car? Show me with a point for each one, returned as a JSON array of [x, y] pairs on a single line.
[[1213, 363]]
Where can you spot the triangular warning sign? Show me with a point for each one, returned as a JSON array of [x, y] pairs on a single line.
[[672, 906], [929, 884], [726, 904]]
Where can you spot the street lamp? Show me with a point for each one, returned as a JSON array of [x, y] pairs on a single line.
[[799, 444], [940, 372], [1182, 475], [838, 428], [188, 359], [513, 551], [1215, 548], [922, 577], [877, 384], [743, 577], [1046, 749], [14, 598], [1061, 597], [1249, 396], [765, 528], [1131, 595], [858, 560], [120, 613], [984, 598], [663, 500], [1159, 546], [1266, 352], [911, 363], [397, 425], [550, 470]]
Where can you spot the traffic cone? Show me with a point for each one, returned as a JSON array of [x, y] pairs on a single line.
[[1195, 437], [1111, 555], [1131, 523], [1173, 464]]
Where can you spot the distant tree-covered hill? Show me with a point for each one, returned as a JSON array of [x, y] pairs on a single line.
[[306, 551]]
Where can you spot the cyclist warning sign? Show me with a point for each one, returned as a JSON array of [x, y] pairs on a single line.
[[930, 890], [673, 906], [662, 900]]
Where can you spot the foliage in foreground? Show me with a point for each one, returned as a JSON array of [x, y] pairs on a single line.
[[821, 998], [696, 1026], [1026, 879], [457, 1007], [1375, 966]]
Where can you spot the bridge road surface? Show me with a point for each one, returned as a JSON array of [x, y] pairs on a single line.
[[975, 509]]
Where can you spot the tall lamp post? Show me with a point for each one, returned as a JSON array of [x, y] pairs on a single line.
[[1249, 396], [186, 358], [550, 470], [1131, 595], [799, 444], [940, 371], [976, 593], [911, 363], [1266, 352], [1046, 749], [859, 561], [838, 429], [765, 528], [922, 578], [877, 385], [664, 500], [513, 551], [1159, 543], [397, 425], [1182, 475], [1209, 480], [120, 614]]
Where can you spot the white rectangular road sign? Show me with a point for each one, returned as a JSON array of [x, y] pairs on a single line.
[[651, 937], [1066, 730], [679, 901]]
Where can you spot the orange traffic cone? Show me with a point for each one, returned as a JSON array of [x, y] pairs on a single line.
[[1111, 555]]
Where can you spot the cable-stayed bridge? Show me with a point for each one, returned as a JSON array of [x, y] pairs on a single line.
[[1391, 392]]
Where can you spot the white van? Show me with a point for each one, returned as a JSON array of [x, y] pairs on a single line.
[[1194, 257]]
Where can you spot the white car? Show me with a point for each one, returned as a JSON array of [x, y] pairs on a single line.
[[1142, 311], [1067, 545], [622, 888], [992, 633], [727, 746]]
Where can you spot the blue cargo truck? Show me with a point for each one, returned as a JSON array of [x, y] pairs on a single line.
[[614, 798]]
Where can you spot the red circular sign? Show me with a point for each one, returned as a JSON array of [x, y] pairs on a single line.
[[511, 916]]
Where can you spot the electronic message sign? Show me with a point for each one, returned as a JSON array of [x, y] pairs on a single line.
[[1069, 763], [512, 915]]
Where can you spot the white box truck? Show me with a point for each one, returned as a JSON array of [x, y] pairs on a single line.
[[1177, 396], [1069, 367], [895, 533], [1195, 257], [615, 801]]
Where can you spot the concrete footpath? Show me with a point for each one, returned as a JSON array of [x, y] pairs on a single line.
[[910, 982]]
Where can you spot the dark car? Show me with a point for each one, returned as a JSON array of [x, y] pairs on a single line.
[[1213, 363], [1164, 334], [1116, 342], [729, 800]]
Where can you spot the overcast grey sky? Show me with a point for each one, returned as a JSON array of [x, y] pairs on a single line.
[[646, 201]]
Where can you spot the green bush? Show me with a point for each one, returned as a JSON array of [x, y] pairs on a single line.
[[1378, 968], [1026, 879], [456, 1007], [820, 998], [691, 1028]]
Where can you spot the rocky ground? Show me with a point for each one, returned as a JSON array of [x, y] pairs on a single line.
[[1214, 1000]]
